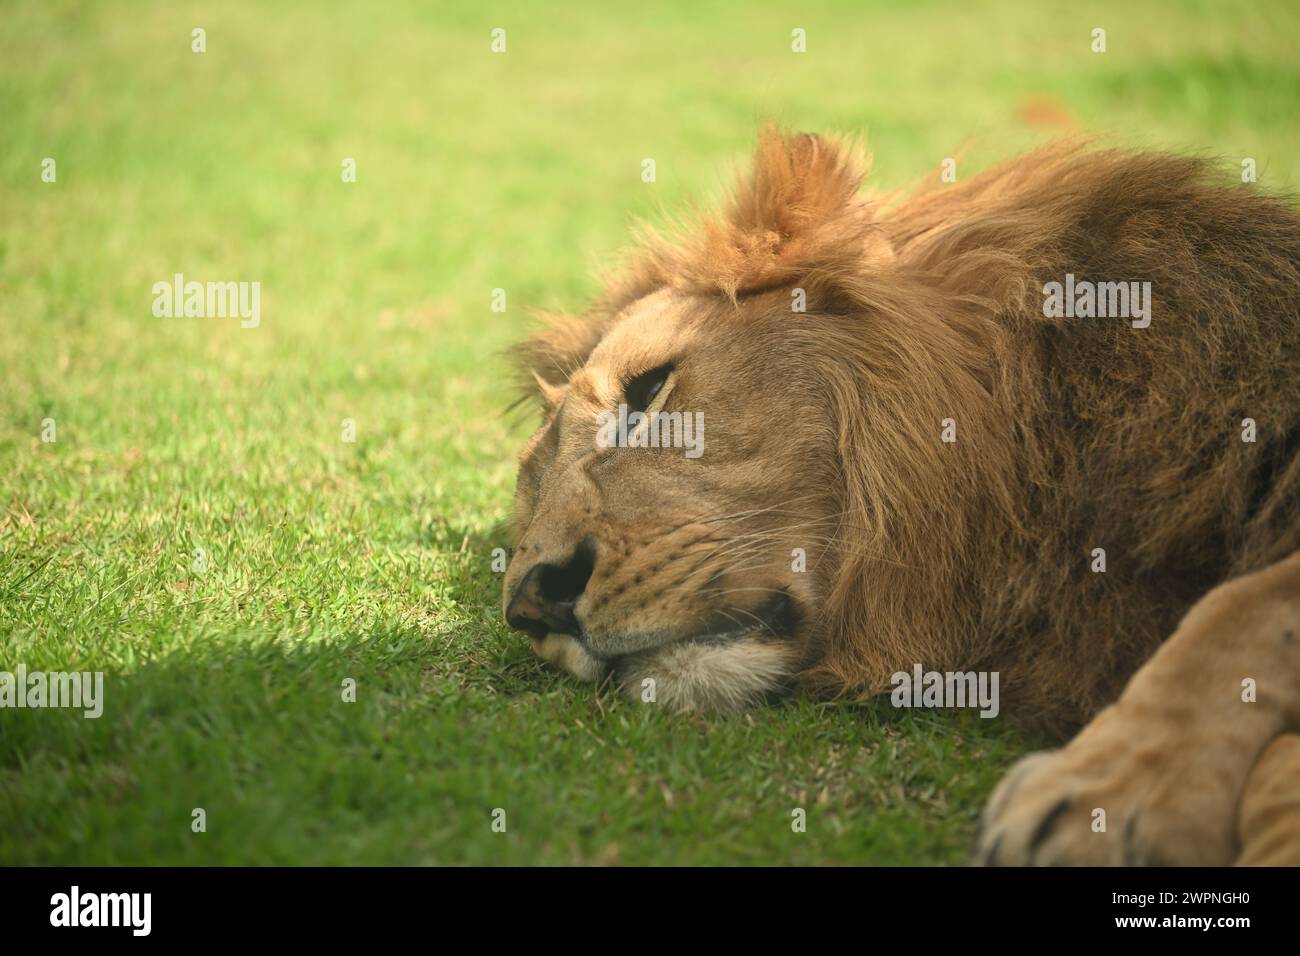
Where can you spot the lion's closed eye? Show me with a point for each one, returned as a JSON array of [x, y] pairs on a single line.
[[642, 389]]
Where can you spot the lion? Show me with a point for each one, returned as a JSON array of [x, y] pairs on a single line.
[[911, 455]]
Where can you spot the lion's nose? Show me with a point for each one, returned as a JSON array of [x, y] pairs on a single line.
[[544, 600]]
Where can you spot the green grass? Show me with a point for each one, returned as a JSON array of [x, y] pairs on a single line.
[[371, 561]]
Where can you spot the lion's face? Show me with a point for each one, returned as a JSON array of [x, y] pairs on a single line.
[[697, 565], [781, 537]]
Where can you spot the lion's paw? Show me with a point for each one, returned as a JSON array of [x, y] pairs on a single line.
[[1120, 794]]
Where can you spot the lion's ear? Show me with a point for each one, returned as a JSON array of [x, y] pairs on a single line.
[[801, 184], [797, 210]]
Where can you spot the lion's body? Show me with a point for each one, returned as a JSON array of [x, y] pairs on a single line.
[[977, 480], [1097, 434]]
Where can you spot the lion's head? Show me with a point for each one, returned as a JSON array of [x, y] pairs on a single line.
[[797, 379]]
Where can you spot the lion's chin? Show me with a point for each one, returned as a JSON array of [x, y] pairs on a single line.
[[568, 655], [685, 676]]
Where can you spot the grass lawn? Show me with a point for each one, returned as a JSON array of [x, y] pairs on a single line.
[[200, 532]]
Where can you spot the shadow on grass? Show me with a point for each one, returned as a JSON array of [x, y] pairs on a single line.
[[290, 764]]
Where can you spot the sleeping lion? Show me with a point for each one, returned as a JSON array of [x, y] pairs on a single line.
[[1042, 424]]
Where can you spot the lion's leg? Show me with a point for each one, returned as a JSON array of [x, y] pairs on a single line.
[[1270, 807], [1157, 777]]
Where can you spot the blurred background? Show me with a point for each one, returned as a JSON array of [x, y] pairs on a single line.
[[325, 559]]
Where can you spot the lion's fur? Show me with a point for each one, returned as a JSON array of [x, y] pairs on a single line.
[[1072, 433]]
